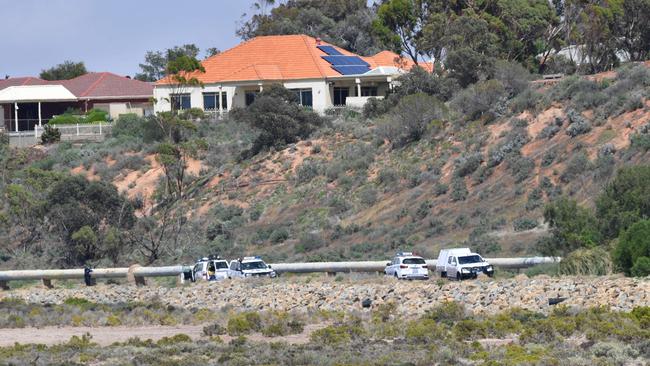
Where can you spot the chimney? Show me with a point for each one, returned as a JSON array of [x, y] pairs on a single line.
[[6, 77], [318, 41]]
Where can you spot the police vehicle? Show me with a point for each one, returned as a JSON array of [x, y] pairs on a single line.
[[250, 267], [210, 268], [406, 265]]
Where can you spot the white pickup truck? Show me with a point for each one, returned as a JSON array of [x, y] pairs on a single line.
[[461, 263]]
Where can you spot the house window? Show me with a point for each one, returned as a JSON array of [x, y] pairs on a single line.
[[305, 97], [250, 98], [181, 101], [340, 94], [368, 91], [211, 101]]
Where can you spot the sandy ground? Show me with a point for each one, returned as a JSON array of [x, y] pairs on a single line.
[[105, 336]]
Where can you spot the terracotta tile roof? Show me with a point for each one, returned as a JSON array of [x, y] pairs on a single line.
[[286, 57], [107, 85], [92, 85], [22, 81]]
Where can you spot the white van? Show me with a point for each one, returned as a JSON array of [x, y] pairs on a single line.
[[461, 263]]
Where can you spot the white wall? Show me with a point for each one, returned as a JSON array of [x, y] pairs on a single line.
[[321, 94], [161, 94], [320, 90]]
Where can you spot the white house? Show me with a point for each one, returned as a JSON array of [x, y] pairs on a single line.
[[322, 75]]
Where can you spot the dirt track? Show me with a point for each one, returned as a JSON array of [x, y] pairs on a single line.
[[105, 336]]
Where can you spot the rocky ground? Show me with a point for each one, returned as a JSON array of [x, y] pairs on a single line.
[[346, 294]]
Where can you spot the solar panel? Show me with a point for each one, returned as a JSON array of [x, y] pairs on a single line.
[[351, 69], [329, 50], [345, 60]]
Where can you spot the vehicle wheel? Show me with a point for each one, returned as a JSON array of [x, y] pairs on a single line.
[[491, 274], [443, 274], [396, 277], [459, 277]]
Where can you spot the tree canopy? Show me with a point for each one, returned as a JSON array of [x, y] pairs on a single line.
[[156, 63], [346, 23], [64, 71]]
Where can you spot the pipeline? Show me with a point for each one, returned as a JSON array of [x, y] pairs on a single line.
[[140, 273]]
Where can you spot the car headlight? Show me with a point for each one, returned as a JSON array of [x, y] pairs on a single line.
[[247, 274], [465, 270], [489, 268]]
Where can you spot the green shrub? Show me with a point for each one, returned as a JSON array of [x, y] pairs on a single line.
[[578, 165], [640, 142], [467, 164], [244, 323], [526, 100], [513, 76], [578, 125], [368, 196], [170, 341], [65, 119], [128, 125], [214, 329], [279, 119], [307, 171], [440, 188], [571, 226], [309, 242], [484, 99], [641, 267], [624, 201], [95, 115], [337, 334], [459, 190], [633, 249], [446, 313], [411, 119], [50, 134], [279, 235], [524, 224], [192, 114], [376, 107], [423, 331], [520, 167], [587, 262]]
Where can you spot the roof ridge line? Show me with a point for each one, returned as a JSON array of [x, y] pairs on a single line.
[[313, 56], [94, 84], [234, 72]]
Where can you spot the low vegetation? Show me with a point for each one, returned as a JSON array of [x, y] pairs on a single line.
[[446, 333]]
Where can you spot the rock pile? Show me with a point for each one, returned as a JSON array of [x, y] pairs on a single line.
[[480, 296]]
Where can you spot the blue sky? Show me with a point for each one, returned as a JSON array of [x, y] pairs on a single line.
[[109, 35]]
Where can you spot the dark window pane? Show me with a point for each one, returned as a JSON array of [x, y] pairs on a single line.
[[209, 101], [185, 101], [224, 100], [368, 91], [306, 98], [250, 98], [340, 94]]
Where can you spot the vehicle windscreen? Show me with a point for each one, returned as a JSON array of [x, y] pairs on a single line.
[[221, 265], [253, 265], [469, 259], [413, 261]]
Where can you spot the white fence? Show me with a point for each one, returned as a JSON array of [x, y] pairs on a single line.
[[78, 132]]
